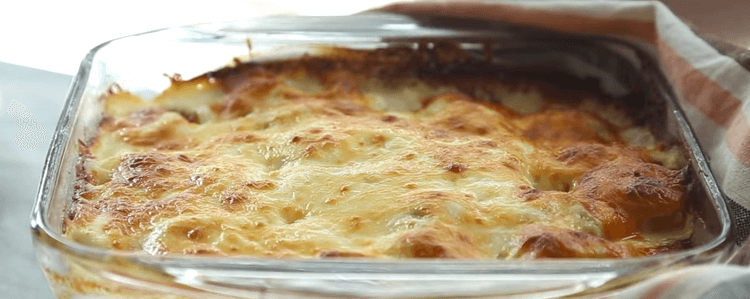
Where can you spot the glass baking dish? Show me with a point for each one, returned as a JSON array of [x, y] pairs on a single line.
[[138, 64]]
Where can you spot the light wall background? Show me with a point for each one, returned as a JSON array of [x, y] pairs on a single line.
[[56, 35]]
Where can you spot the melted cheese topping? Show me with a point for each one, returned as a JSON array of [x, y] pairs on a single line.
[[296, 162]]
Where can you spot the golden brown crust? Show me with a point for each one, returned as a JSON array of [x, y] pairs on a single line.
[[339, 254], [541, 241], [437, 242], [355, 154], [627, 193]]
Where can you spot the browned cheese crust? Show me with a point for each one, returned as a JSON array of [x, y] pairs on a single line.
[[358, 154]]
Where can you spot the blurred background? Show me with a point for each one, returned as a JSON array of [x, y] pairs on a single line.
[[55, 35], [43, 42]]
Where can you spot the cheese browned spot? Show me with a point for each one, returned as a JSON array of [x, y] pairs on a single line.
[[541, 241], [626, 194], [354, 155]]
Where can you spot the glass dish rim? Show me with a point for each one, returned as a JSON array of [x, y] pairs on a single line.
[[40, 225]]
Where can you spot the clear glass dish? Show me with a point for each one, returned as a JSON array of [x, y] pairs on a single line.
[[138, 64]]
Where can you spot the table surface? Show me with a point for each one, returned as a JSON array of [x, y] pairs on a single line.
[[41, 94]]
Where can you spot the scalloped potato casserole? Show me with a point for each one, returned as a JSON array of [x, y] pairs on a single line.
[[367, 154]]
